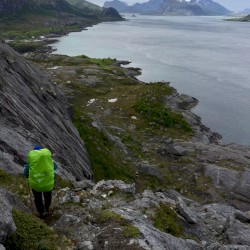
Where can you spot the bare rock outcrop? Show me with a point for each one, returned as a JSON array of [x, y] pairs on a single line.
[[214, 226], [33, 111], [8, 201]]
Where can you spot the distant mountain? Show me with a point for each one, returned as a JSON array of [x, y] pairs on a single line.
[[118, 5], [57, 9], [179, 7], [105, 14], [152, 6], [210, 7], [246, 11], [172, 7]]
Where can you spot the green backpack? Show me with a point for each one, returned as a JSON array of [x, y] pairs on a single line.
[[41, 170]]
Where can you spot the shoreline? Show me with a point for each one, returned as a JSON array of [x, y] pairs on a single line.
[[214, 107], [190, 101], [48, 42]]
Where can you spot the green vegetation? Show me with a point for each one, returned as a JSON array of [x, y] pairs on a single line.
[[24, 47], [158, 114], [62, 183], [84, 5], [106, 163], [240, 19], [166, 220], [17, 184], [131, 231], [86, 79], [31, 233], [107, 215], [105, 63]]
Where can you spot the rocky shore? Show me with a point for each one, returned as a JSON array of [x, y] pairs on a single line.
[[197, 188]]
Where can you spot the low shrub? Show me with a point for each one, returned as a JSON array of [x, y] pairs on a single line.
[[166, 220], [31, 233], [158, 114]]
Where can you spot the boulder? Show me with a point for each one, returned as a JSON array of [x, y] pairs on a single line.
[[7, 224], [238, 233], [235, 184], [115, 184], [2, 247], [184, 211], [8, 201], [242, 217]]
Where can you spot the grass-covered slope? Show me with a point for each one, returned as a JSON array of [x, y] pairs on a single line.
[[84, 4], [123, 122], [33, 18]]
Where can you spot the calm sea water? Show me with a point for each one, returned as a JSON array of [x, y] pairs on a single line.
[[204, 57]]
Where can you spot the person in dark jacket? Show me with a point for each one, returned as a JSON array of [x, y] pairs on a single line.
[[40, 171]]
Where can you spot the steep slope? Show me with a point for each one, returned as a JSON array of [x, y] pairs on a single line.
[[175, 7], [19, 7], [33, 111], [84, 4], [49, 16], [12, 5], [104, 14]]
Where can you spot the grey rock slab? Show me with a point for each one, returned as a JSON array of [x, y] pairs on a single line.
[[153, 238], [186, 212], [7, 202], [238, 233], [242, 217], [2, 247], [222, 177], [218, 246], [34, 112], [7, 224], [115, 184]]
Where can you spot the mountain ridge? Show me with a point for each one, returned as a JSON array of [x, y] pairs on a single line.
[[171, 7]]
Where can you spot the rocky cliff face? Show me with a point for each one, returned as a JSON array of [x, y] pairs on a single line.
[[74, 12], [11, 5], [33, 111]]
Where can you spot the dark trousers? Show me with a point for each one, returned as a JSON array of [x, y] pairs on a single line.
[[40, 206]]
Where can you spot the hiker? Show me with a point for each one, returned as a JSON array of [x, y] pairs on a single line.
[[40, 171]]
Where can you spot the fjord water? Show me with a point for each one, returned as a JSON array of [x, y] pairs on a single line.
[[205, 57]]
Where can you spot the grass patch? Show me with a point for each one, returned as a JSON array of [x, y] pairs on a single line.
[[17, 184], [131, 231], [62, 183], [24, 47], [104, 155], [31, 233], [104, 63], [107, 215], [166, 220], [158, 114]]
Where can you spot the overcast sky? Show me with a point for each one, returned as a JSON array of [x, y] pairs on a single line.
[[234, 5]]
